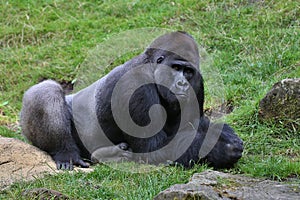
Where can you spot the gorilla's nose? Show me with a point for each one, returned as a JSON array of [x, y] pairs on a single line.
[[182, 84]]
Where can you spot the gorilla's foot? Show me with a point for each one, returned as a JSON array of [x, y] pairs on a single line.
[[67, 160]]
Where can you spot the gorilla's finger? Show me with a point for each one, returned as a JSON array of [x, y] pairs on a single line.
[[123, 146], [82, 164]]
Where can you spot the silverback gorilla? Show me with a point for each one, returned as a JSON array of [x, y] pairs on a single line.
[[150, 109]]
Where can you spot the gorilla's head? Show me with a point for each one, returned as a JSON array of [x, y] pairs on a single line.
[[175, 58]]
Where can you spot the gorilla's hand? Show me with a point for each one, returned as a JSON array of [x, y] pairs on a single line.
[[118, 153]]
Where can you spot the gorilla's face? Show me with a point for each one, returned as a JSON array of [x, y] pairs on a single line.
[[176, 66], [173, 77]]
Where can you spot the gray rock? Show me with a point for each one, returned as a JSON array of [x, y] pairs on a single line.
[[282, 102], [213, 185]]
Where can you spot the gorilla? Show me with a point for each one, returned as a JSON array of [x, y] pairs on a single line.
[[150, 109]]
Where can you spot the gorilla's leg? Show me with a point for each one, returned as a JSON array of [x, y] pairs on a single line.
[[46, 122]]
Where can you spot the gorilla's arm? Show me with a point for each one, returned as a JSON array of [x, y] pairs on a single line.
[[147, 140], [222, 153]]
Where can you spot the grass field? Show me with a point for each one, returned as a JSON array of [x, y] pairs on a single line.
[[251, 44]]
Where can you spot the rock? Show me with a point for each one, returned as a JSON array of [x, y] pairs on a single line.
[[213, 185], [20, 161], [282, 102]]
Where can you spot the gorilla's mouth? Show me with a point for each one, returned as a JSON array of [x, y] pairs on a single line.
[[182, 97]]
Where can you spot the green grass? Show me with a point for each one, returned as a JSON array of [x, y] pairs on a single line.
[[251, 45], [104, 183]]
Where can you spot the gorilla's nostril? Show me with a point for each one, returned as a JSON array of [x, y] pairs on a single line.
[[182, 83], [182, 86]]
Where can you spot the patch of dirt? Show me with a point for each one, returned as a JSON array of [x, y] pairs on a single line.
[[218, 112], [20, 161]]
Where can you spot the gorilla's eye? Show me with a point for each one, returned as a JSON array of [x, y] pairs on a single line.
[[188, 73], [176, 67], [160, 59]]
